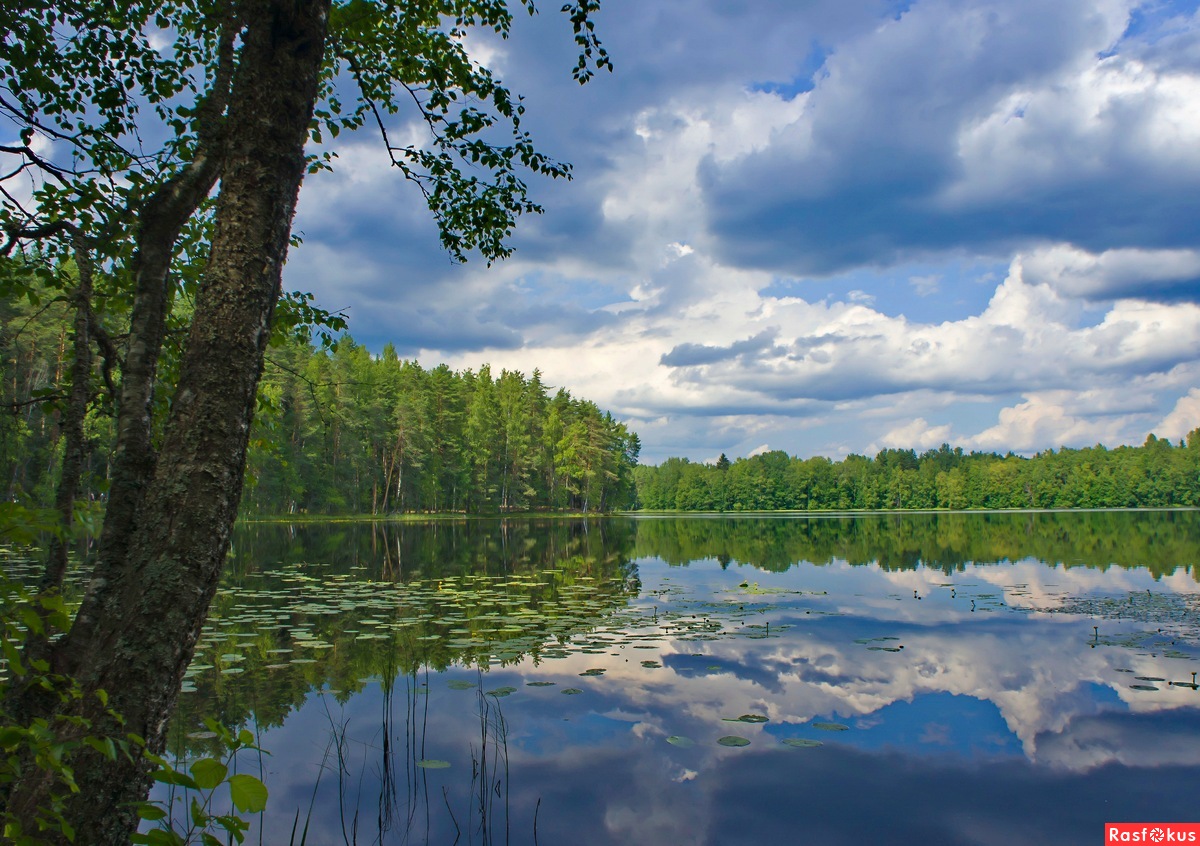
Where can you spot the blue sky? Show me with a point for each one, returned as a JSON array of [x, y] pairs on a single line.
[[823, 227]]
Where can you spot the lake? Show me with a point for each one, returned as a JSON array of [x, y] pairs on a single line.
[[927, 678]]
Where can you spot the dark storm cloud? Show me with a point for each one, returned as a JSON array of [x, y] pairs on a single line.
[[869, 176], [690, 355]]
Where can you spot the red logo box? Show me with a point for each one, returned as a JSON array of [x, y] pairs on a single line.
[[1159, 832]]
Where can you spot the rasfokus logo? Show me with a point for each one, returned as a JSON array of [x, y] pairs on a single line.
[[1152, 832]]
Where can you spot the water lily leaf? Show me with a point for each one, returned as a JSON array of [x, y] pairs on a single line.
[[1143, 687], [460, 684], [501, 691], [830, 726], [733, 740], [801, 742], [680, 741], [595, 671], [540, 684], [571, 691], [433, 764], [747, 718]]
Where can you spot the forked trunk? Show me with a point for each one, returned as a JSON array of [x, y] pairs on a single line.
[[143, 635]]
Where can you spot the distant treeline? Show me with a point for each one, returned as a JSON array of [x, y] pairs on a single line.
[[348, 432], [1160, 541], [1156, 474], [337, 431]]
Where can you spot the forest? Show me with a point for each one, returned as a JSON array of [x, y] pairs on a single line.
[[341, 431], [1156, 474]]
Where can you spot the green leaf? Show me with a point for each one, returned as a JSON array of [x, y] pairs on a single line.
[[11, 736], [151, 812], [166, 775], [158, 837], [103, 745], [208, 773], [199, 815], [248, 793]]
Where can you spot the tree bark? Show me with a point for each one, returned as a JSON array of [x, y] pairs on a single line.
[[160, 222], [142, 632], [74, 444]]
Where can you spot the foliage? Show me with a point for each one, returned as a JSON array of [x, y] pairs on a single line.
[[345, 431], [1154, 475], [340, 430], [47, 745], [47, 748], [38, 744], [126, 118], [200, 785], [1160, 542]]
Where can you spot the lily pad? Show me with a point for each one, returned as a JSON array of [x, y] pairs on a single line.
[[1143, 687], [680, 741], [733, 740], [540, 684], [830, 726], [460, 684], [502, 691], [595, 671], [433, 764], [747, 718], [571, 691], [801, 742]]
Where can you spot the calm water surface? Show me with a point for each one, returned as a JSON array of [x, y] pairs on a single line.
[[1012, 678]]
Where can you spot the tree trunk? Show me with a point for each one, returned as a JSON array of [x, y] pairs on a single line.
[[160, 222], [142, 636], [74, 444]]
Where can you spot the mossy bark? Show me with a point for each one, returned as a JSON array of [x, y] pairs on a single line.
[[142, 630]]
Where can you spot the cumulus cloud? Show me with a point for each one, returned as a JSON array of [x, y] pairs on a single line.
[[1184, 417], [1118, 273], [1027, 337], [735, 160], [1038, 423], [917, 434], [1007, 129]]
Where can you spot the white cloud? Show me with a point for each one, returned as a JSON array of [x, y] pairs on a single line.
[[1114, 273], [1039, 423], [977, 130], [925, 286], [918, 435], [1183, 418]]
